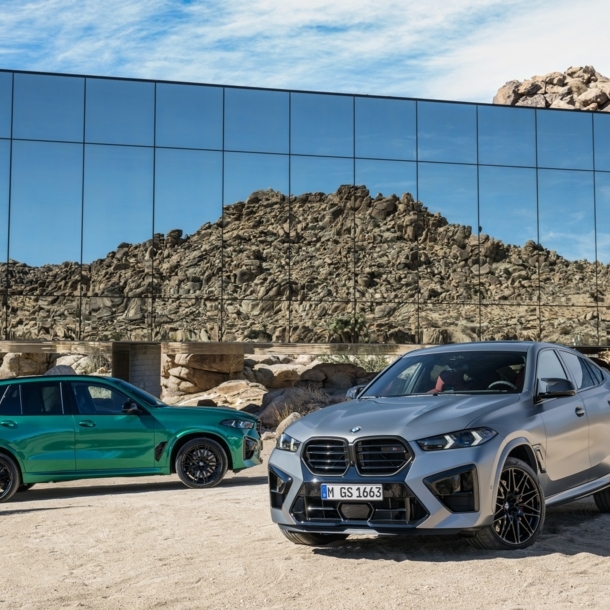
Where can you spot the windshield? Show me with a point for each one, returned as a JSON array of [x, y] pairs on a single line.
[[145, 397], [459, 372]]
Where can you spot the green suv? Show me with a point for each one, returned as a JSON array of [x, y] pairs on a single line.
[[62, 428]]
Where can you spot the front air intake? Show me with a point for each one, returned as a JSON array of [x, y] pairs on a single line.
[[381, 456], [326, 457]]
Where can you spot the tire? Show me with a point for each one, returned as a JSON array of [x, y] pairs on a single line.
[[10, 477], [25, 486], [201, 463], [602, 500], [519, 516], [312, 539]]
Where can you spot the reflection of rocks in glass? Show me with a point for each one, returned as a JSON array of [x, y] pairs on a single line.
[[387, 323], [116, 319], [48, 280], [258, 321], [47, 318], [328, 322], [509, 323], [569, 325], [448, 324], [186, 320]]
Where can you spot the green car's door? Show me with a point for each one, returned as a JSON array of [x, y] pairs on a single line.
[[106, 438], [37, 427]]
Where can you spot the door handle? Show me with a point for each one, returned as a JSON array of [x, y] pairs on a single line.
[[87, 423], [8, 424], [579, 411]]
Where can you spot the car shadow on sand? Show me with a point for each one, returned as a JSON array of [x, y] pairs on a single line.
[[571, 529]]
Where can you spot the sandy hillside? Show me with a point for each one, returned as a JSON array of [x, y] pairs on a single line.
[[151, 543]]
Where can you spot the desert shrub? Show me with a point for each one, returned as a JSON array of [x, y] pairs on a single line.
[[372, 363], [302, 401]]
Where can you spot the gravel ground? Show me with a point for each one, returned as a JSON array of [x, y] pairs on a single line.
[[151, 543]]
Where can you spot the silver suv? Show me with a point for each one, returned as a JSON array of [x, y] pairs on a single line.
[[473, 439]]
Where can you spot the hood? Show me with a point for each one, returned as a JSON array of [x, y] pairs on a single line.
[[412, 418]]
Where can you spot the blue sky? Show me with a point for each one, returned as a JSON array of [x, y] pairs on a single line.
[[443, 49]]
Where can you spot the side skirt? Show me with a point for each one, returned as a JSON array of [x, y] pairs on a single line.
[[576, 493], [55, 477]]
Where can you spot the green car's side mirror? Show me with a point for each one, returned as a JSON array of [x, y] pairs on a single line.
[[131, 408]]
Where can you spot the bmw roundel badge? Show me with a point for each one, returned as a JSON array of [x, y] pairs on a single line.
[[356, 429]]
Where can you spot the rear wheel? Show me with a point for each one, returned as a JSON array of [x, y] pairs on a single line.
[[312, 539], [602, 499], [10, 478], [201, 463], [519, 510]]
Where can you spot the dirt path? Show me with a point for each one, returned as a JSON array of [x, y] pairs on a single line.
[[151, 543]]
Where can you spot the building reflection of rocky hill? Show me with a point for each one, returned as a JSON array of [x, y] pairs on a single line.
[[323, 268]]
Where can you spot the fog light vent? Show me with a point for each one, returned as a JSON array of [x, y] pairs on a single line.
[[361, 512]]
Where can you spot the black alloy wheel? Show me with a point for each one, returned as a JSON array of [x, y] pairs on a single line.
[[10, 478], [519, 510], [201, 463]]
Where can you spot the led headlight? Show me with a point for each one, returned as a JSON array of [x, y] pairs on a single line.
[[457, 440], [238, 423], [287, 443]]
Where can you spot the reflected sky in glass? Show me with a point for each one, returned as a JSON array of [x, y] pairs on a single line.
[[601, 122], [120, 112], [188, 189], [507, 136], [256, 121], [566, 208], [322, 124], [447, 132], [49, 107], [565, 139], [385, 128], [316, 175], [602, 210], [249, 172], [189, 116], [507, 204], [450, 190], [387, 177], [6, 94], [5, 155], [46, 211], [118, 198]]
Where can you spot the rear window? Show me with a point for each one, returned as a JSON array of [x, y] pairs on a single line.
[[41, 398]]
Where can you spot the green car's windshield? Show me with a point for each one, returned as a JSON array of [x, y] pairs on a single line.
[[459, 372], [145, 397]]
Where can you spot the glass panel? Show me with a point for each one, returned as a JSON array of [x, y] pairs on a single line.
[[116, 319], [188, 228], [508, 215], [566, 209], [5, 165], [602, 222], [322, 228], [385, 129], [604, 326], [448, 324], [118, 220], [387, 229], [119, 112], [186, 320], [384, 322], [448, 194], [569, 325], [256, 121], [507, 136], [49, 107], [6, 103], [510, 323], [322, 124], [257, 321], [45, 318], [256, 229], [601, 123], [447, 132], [565, 139], [189, 116], [322, 322]]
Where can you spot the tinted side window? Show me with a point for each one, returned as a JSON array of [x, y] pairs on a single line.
[[580, 371], [42, 398], [10, 403], [97, 399], [549, 366], [598, 376]]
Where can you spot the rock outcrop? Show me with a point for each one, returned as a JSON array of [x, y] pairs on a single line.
[[578, 88]]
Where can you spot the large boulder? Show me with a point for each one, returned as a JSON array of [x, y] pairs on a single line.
[[229, 364], [278, 375], [20, 365], [237, 394]]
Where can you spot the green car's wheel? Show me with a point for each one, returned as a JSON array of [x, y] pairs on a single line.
[[10, 478], [312, 539], [201, 463], [25, 487]]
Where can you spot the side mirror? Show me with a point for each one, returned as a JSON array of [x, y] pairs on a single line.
[[131, 408], [354, 392], [554, 388]]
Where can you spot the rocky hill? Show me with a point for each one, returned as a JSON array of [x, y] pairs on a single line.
[[310, 252], [578, 88]]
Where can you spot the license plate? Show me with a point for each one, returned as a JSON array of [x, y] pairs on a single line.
[[354, 493]]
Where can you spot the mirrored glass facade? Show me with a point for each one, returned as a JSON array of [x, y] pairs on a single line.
[[152, 211]]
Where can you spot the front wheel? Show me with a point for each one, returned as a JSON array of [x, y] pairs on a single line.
[[10, 478], [201, 463], [519, 511], [312, 539]]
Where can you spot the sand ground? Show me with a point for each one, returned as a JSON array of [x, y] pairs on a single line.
[[151, 543]]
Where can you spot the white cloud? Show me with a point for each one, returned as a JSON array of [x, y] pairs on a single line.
[[452, 49]]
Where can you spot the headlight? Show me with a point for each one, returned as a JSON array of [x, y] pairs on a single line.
[[457, 440], [287, 443], [238, 423]]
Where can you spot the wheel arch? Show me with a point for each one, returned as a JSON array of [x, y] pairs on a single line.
[[182, 440], [524, 453]]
